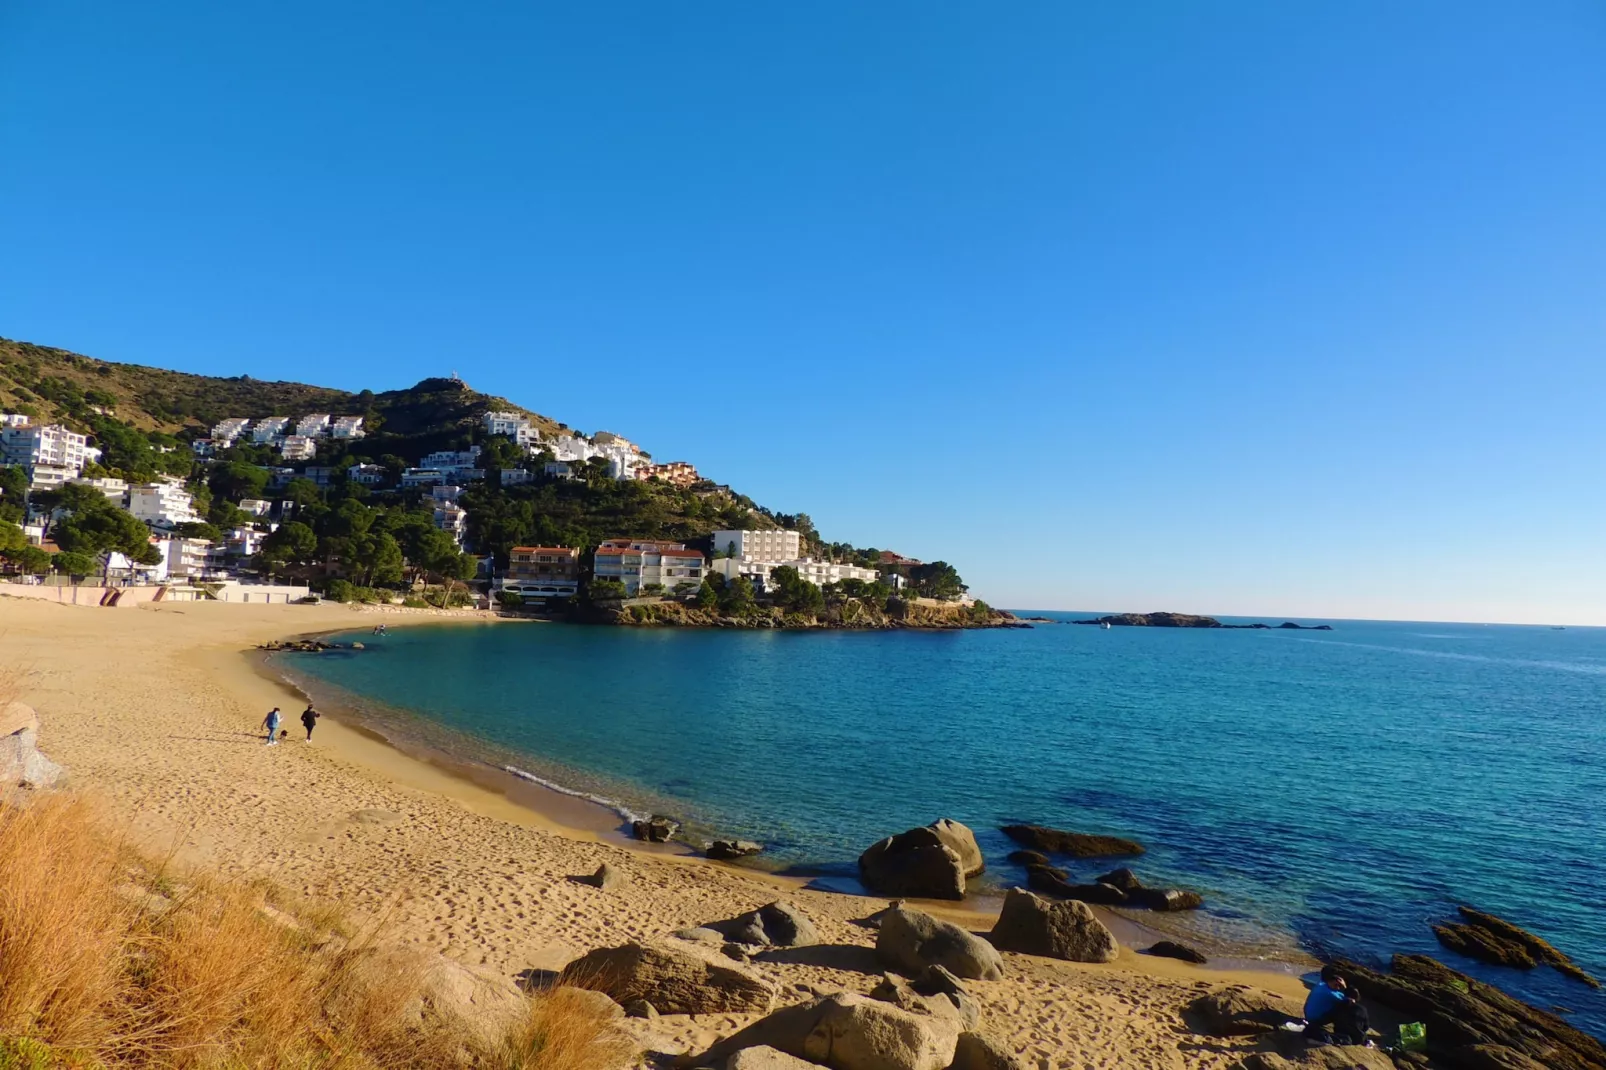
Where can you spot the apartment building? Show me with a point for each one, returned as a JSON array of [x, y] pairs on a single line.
[[818, 573], [677, 473], [542, 574], [314, 425], [116, 490], [298, 448], [776, 547], [452, 519], [256, 506], [162, 504], [369, 475], [638, 563], [224, 432], [422, 477], [514, 426], [185, 559], [28, 443], [348, 427], [269, 429]]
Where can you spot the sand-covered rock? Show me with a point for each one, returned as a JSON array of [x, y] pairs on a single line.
[[1065, 929], [1238, 1011], [916, 863], [767, 1058], [777, 924], [1174, 949], [845, 1031], [910, 940], [947, 1000], [676, 977], [973, 1051]]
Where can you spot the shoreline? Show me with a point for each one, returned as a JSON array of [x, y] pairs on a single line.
[[576, 813], [155, 714]]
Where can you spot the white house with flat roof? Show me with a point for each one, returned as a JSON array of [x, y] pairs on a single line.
[[163, 504], [781, 547], [269, 428], [347, 427], [299, 448], [314, 425]]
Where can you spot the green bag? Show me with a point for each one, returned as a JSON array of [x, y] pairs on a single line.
[[1413, 1036]]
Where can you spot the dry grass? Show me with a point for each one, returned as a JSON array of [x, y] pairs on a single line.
[[108, 961], [562, 1030]]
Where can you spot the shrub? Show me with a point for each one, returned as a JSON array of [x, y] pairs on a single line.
[[341, 591]]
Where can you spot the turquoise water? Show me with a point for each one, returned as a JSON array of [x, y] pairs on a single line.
[[1346, 787]]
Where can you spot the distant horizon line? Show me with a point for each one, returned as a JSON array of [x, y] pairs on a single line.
[[1320, 620]]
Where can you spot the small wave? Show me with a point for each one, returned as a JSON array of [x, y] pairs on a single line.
[[601, 800]]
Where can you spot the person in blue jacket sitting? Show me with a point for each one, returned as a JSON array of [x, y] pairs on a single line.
[[1333, 1011]]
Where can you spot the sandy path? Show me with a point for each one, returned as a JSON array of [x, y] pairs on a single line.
[[156, 711]]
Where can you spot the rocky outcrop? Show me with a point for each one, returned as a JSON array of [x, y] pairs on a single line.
[[21, 764], [1462, 1013], [1055, 882], [775, 925], [1172, 949], [1075, 844], [1239, 1011], [1488, 938], [909, 941], [725, 850], [655, 829], [977, 1052], [675, 977], [845, 1031], [1065, 929], [916, 864]]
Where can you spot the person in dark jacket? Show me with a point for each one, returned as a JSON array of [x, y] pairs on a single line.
[[309, 720]]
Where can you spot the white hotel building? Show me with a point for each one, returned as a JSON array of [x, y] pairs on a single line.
[[163, 504], [755, 554], [759, 545]]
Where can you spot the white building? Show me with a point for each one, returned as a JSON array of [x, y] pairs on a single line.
[[422, 477], [116, 490], [162, 504], [29, 443], [315, 425], [452, 519], [243, 542], [348, 427], [224, 432], [514, 425], [270, 429], [818, 573], [638, 563], [369, 475], [558, 470], [774, 546], [446, 460], [512, 477], [449, 492], [299, 448], [256, 506], [49, 476], [203, 447], [185, 558]]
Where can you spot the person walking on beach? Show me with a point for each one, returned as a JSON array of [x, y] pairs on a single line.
[[309, 719], [271, 723], [1333, 1003]]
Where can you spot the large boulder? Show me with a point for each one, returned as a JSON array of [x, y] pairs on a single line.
[[917, 864], [1075, 844], [655, 829], [1497, 940], [1239, 1011], [1064, 929], [963, 842], [725, 850], [674, 976], [910, 940], [976, 1052], [845, 1031], [1173, 949], [1165, 899], [21, 764], [776, 925]]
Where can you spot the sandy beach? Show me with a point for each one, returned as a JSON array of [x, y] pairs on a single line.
[[155, 710]]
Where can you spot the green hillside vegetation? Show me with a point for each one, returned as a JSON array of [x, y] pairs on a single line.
[[144, 420]]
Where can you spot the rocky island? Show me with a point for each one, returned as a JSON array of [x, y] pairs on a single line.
[[1188, 620]]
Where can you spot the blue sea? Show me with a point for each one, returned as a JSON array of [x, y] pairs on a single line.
[[1341, 790]]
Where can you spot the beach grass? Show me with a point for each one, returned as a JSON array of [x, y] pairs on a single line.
[[108, 960]]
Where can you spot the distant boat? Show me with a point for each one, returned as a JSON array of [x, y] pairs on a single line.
[[1106, 625], [1558, 627]]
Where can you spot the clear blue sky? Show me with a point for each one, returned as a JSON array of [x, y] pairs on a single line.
[[1258, 308]]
